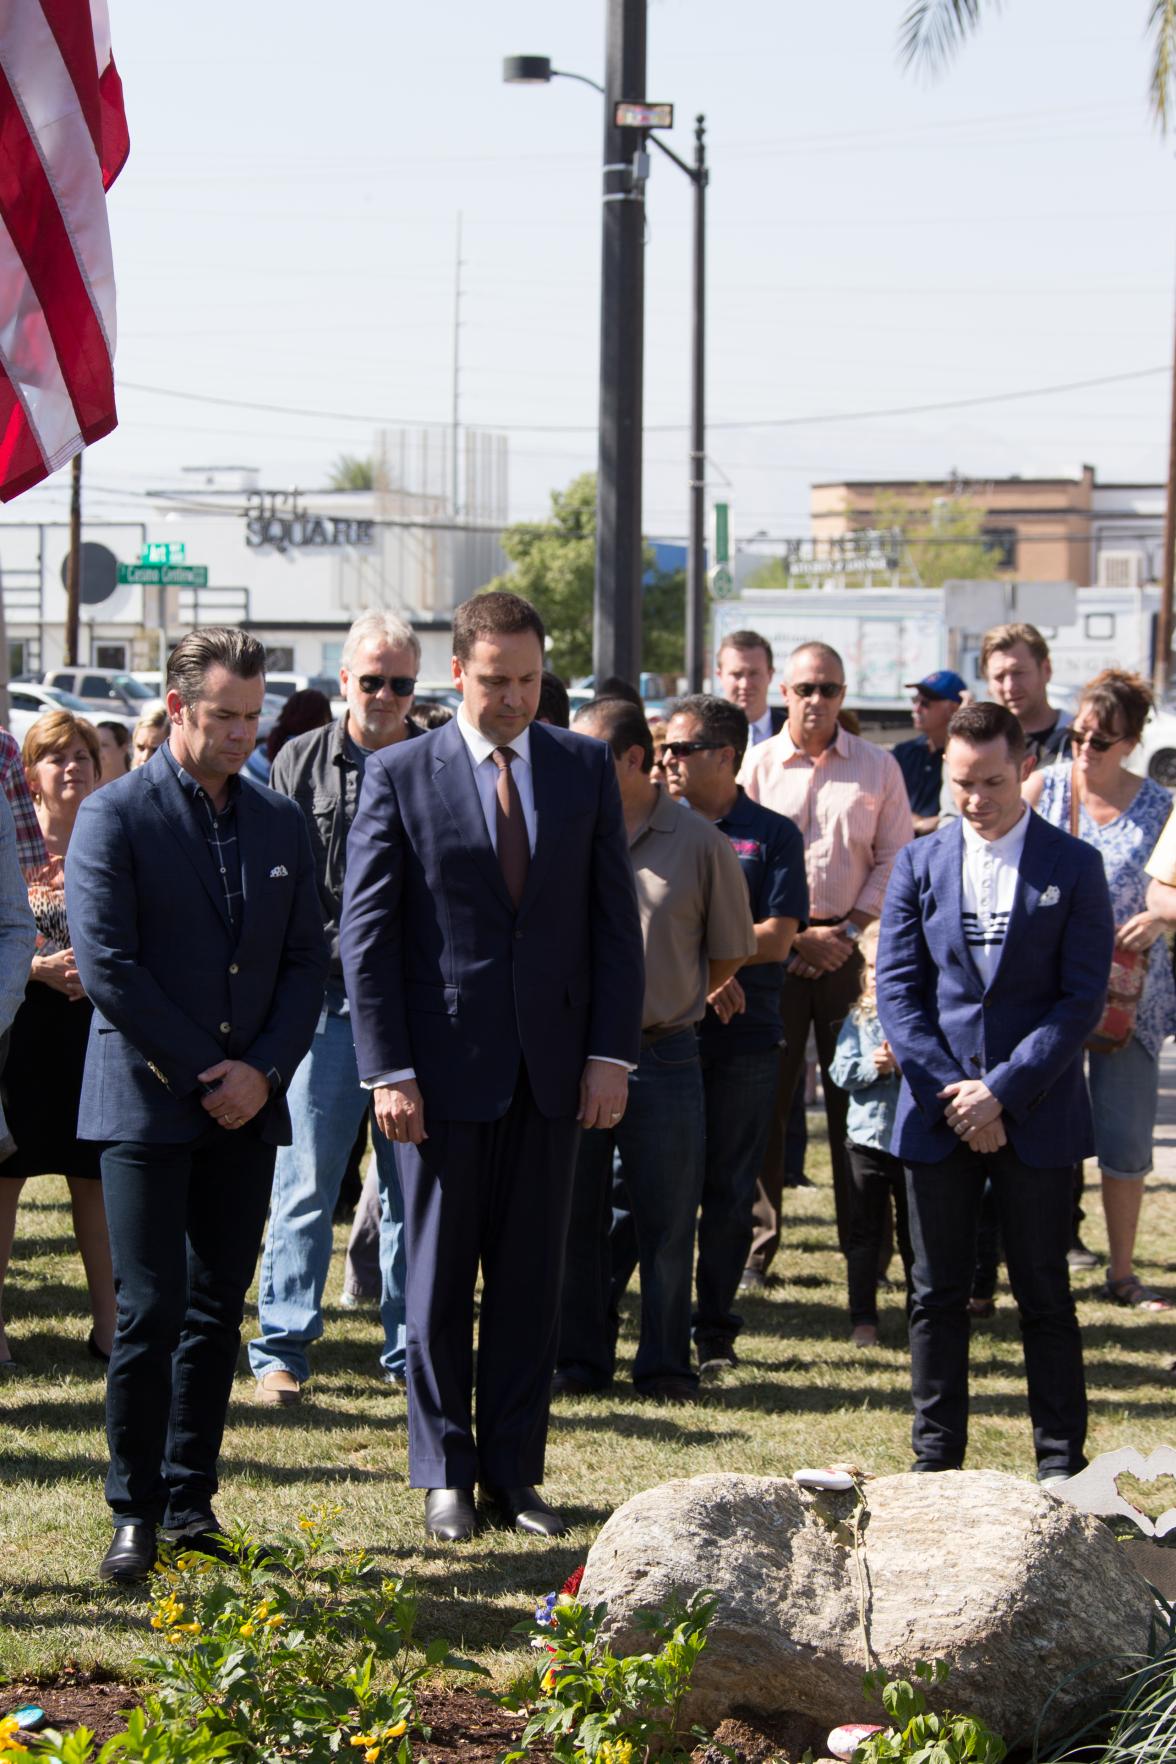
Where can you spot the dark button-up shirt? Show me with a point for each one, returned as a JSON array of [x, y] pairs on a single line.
[[921, 766], [220, 832]]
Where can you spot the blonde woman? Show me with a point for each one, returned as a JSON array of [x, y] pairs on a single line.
[[151, 731]]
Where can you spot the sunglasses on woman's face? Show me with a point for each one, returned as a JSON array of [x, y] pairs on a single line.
[[401, 685], [826, 688], [1100, 743]]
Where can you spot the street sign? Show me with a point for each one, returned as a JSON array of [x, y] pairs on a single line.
[[722, 512], [164, 575], [722, 582], [163, 554], [634, 115]]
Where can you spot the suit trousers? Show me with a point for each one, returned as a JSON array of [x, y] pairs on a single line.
[[823, 1005], [185, 1225], [1034, 1209], [498, 1193]]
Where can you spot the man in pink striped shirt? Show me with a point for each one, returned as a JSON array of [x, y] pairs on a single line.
[[849, 801]]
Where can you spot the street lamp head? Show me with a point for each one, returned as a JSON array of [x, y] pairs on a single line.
[[526, 70]]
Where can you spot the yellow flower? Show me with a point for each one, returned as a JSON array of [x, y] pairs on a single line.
[[186, 1561], [263, 1610], [9, 1731], [275, 1620], [616, 1752], [548, 1680], [371, 1755], [395, 1731], [363, 1739], [189, 1628], [245, 1629], [306, 1524]]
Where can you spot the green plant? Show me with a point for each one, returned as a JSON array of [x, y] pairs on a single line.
[[918, 1735], [294, 1650], [1136, 1723], [589, 1703], [142, 1742]]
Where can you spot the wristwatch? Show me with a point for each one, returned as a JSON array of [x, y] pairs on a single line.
[[850, 930]]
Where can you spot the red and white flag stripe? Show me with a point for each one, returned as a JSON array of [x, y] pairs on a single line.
[[63, 141]]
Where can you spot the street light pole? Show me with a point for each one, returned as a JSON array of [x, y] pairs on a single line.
[[696, 558], [616, 634]]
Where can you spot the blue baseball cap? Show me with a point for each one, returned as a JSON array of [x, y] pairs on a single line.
[[943, 684]]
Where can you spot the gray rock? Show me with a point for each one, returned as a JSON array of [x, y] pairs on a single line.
[[1015, 1589]]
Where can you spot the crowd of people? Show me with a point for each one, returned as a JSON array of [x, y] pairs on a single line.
[[573, 980]]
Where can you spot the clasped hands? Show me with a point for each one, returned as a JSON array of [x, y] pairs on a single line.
[[400, 1109], [237, 1092], [820, 950], [975, 1115]]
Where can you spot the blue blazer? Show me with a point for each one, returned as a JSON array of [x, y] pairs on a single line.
[[1024, 1034], [443, 975], [175, 988]]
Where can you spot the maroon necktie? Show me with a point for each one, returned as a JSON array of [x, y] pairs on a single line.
[[514, 848]]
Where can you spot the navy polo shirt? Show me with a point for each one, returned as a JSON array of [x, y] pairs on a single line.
[[770, 849], [921, 766]]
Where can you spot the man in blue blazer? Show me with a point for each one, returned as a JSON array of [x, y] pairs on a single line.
[[992, 971], [196, 926], [492, 956]]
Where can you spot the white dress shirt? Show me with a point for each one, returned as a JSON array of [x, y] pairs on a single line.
[[991, 868], [481, 751]]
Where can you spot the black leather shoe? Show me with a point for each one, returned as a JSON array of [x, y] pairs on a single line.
[[131, 1555], [570, 1384], [526, 1510], [450, 1514]]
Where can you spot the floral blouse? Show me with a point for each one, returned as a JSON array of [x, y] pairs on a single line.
[[1126, 844], [46, 885]]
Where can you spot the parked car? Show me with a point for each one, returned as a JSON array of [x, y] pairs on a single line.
[[103, 689], [1155, 757], [27, 701], [286, 685]]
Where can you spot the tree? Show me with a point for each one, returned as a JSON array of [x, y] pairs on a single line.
[[554, 567], [942, 536], [932, 31], [352, 473]]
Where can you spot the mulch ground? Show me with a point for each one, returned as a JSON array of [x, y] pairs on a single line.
[[464, 1728]]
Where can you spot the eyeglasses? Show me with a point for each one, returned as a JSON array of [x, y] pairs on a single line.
[[1100, 743], [826, 688], [683, 749], [402, 685]]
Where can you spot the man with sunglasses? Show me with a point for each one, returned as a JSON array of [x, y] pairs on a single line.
[[323, 772], [850, 803], [936, 700]]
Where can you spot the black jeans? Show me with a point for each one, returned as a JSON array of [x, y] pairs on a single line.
[[874, 1176], [185, 1225], [1034, 1209]]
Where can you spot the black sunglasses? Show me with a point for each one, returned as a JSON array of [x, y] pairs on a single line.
[[826, 688], [1100, 743], [402, 685], [683, 749]]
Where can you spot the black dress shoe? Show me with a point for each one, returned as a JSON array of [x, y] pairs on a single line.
[[450, 1514], [526, 1510], [131, 1555], [570, 1384]]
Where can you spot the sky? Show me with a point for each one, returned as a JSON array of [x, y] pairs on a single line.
[[285, 236]]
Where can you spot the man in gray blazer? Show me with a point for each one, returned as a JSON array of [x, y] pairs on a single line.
[[198, 937]]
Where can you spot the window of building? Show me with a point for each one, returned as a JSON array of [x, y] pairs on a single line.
[[110, 655], [279, 658], [18, 657], [332, 657], [1002, 540], [1100, 626]]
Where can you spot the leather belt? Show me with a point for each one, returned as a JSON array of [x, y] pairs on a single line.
[[651, 1036]]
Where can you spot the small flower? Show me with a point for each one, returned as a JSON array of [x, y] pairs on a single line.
[[9, 1732], [548, 1679], [371, 1755], [275, 1621], [362, 1739], [246, 1629], [395, 1731], [571, 1585]]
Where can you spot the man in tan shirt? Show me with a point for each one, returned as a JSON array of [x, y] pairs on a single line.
[[850, 803], [697, 930]]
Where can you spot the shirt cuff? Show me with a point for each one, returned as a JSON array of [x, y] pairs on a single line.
[[606, 1060], [387, 1078]]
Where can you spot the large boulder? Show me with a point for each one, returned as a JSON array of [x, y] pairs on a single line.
[[1013, 1587]]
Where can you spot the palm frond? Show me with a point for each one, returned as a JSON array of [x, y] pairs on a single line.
[[932, 30], [1162, 25]]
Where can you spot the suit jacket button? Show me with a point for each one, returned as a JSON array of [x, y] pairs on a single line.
[[518, 934], [233, 968], [225, 1028]]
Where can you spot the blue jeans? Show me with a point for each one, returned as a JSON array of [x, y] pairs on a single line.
[[326, 1105], [739, 1090], [185, 1224], [660, 1141]]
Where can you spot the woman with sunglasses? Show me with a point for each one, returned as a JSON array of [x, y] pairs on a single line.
[[1123, 816]]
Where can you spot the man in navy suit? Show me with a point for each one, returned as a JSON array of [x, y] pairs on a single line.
[[492, 954], [196, 926], [992, 971]]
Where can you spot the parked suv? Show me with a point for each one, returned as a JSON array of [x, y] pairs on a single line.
[[103, 688]]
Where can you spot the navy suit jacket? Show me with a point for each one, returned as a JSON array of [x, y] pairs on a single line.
[[443, 975], [175, 988], [1023, 1034]]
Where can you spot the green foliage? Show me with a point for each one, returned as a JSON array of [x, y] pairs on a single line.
[[555, 569], [919, 1736], [142, 1742], [1138, 1724], [349, 472], [591, 1704], [942, 536]]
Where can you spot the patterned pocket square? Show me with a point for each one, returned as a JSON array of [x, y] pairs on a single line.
[[1051, 896], [281, 870]]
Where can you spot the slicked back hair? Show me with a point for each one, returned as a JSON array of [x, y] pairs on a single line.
[[497, 614], [721, 722], [978, 724], [214, 646], [619, 723]]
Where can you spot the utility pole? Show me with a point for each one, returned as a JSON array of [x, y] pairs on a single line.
[[1164, 622], [616, 636], [696, 558], [74, 574], [456, 369]]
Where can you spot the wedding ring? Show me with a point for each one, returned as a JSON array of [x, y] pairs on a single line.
[[616, 1115]]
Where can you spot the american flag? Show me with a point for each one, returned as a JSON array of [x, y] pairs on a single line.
[[63, 141]]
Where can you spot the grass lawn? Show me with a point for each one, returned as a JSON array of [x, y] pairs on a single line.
[[801, 1395]]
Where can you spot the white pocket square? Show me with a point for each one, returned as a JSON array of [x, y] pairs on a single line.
[[281, 870], [1051, 896]]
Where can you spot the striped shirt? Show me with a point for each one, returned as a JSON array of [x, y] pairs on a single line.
[[988, 890], [30, 844], [220, 830], [851, 806]]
